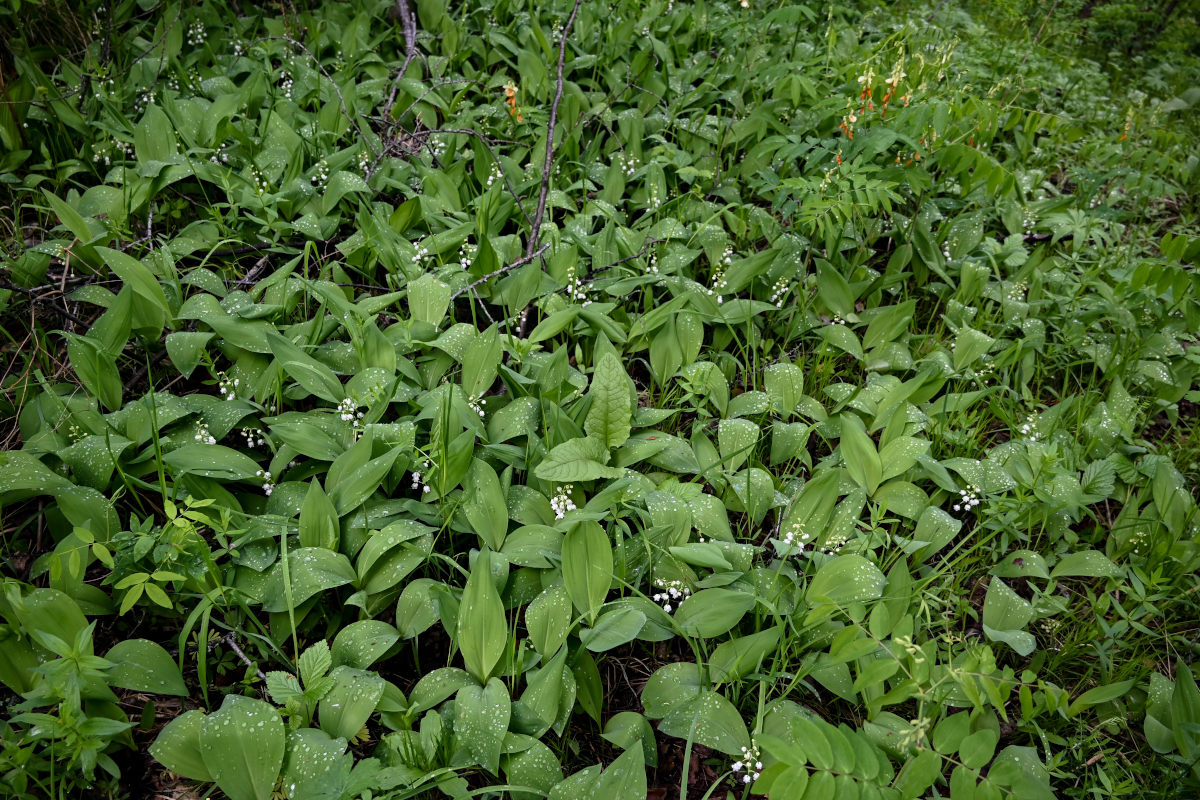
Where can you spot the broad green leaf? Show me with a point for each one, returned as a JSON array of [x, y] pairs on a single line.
[[481, 715], [611, 410], [212, 461], [137, 276], [312, 570], [482, 629], [178, 747], [669, 687], [735, 441], [349, 704], [480, 363], [712, 612], [311, 374], [708, 719], [349, 492], [1086, 563], [319, 525], [846, 579], [858, 451], [360, 644], [428, 299], [625, 777], [580, 459], [483, 504], [587, 567], [243, 744], [187, 350], [548, 619], [314, 761], [613, 628], [144, 666], [785, 387], [737, 657]]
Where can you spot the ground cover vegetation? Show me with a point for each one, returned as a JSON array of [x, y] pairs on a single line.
[[625, 400]]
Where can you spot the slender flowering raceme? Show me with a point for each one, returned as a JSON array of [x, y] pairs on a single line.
[[561, 503], [203, 436], [749, 768], [671, 594]]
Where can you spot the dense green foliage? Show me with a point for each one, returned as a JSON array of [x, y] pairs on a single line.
[[832, 434]]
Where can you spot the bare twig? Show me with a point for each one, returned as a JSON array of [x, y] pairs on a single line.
[[237, 651], [408, 21], [520, 262], [535, 233]]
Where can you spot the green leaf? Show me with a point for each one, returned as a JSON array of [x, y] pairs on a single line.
[[611, 410], [480, 363], [144, 666], [1185, 713], [858, 451], [548, 619], [613, 628], [312, 570], [428, 299], [737, 657], [243, 746], [311, 374], [785, 387], [318, 519], [481, 715], [844, 580], [212, 461], [1005, 613], [669, 687], [178, 747], [96, 370], [587, 567], [314, 761], [482, 630], [136, 276], [187, 350], [712, 612], [708, 719], [351, 701], [1086, 563], [360, 644], [581, 459], [625, 777], [483, 504], [977, 749], [735, 442], [352, 490]]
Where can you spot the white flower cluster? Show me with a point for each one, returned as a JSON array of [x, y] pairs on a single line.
[[673, 592], [203, 436], [750, 767], [196, 34], [260, 181], [416, 481], [967, 498], [238, 48], [655, 200], [561, 503], [229, 386], [254, 437], [1030, 222], [837, 320], [1017, 292], [575, 288], [222, 154], [1029, 428], [833, 545], [628, 165], [778, 291], [144, 99], [364, 162], [652, 264], [421, 255], [321, 177], [493, 175], [348, 411], [268, 486], [466, 254], [476, 405], [437, 147], [286, 83], [794, 539]]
